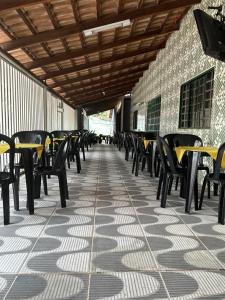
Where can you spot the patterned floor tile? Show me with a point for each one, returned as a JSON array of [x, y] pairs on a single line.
[[49, 286], [129, 285]]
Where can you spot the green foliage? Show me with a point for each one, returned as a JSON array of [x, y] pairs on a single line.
[[105, 115]]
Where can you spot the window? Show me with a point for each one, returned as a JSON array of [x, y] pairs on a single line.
[[196, 101], [153, 114], [135, 117]]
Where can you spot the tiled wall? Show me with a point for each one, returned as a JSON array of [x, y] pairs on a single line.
[[180, 61]]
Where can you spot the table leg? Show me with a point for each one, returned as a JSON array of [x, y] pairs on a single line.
[[151, 149], [193, 159], [153, 158], [215, 185], [28, 167]]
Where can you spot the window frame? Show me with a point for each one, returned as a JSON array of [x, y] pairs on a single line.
[[157, 101], [193, 102]]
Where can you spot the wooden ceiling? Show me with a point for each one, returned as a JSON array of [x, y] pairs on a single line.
[[46, 37]]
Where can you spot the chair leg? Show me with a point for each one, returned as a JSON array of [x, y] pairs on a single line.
[[44, 177], [157, 168], [78, 162], [15, 186], [134, 162], [143, 164], [127, 154], [177, 182], [68, 161], [221, 206], [17, 175], [183, 187], [5, 198], [83, 154], [164, 190], [202, 192], [66, 184], [62, 190], [170, 185], [37, 186], [159, 185], [137, 165], [215, 188], [196, 193], [48, 161]]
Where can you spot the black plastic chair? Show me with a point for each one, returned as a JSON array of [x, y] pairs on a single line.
[[60, 133], [7, 177], [140, 154], [128, 145], [36, 137], [218, 178], [191, 140], [74, 152], [169, 170], [58, 169]]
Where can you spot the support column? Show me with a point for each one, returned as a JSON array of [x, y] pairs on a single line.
[[80, 119]]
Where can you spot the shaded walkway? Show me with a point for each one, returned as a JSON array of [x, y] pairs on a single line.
[[112, 241]]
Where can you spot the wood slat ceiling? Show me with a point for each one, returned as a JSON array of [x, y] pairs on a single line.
[[46, 37]]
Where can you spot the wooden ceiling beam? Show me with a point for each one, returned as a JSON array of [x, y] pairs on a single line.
[[103, 88], [77, 28], [85, 104], [91, 50], [142, 66], [103, 61], [15, 4], [85, 88], [81, 100], [100, 106]]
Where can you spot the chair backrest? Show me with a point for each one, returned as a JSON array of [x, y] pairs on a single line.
[[169, 155], [36, 137], [61, 155], [218, 162], [162, 155], [82, 139], [187, 140], [43, 136], [134, 141], [150, 135], [33, 136], [10, 142], [26, 137], [127, 141], [60, 133], [169, 138]]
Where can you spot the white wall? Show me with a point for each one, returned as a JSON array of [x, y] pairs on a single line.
[[68, 118], [54, 113], [22, 100]]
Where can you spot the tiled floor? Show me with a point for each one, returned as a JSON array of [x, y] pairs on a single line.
[[113, 241]]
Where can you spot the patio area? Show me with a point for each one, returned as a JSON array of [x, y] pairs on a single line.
[[112, 241]]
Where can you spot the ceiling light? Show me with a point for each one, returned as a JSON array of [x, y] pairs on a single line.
[[95, 30]]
